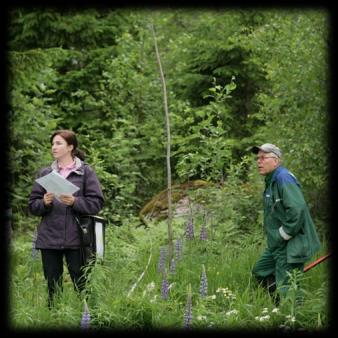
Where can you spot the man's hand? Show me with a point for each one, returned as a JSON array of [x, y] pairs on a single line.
[[67, 199], [48, 198]]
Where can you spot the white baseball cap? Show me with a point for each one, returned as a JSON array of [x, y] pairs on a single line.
[[267, 148]]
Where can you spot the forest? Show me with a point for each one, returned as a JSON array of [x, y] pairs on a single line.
[[234, 78]]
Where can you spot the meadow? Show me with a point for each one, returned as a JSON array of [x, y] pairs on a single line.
[[207, 286]]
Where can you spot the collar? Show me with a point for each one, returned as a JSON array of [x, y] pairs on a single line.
[[79, 169], [270, 177], [69, 166]]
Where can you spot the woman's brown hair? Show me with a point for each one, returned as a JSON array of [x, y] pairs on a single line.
[[70, 137]]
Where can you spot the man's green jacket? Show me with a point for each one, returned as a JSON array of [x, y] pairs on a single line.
[[287, 220]]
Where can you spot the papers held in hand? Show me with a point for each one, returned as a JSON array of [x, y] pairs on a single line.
[[57, 184]]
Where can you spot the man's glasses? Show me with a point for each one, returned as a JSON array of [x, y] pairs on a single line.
[[263, 158]]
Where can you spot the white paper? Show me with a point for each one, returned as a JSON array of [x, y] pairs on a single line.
[[99, 239], [57, 184]]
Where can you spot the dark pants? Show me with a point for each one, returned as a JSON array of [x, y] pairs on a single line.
[[272, 268], [52, 263]]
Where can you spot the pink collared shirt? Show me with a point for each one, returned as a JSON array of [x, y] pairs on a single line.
[[65, 171]]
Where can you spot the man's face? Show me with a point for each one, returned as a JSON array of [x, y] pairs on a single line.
[[266, 162]]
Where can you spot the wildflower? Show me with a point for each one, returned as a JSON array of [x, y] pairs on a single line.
[[211, 297], [263, 318], [162, 259], [189, 232], [226, 293], [172, 267], [165, 286], [150, 286], [204, 233], [188, 310], [265, 310], [232, 312], [153, 300], [204, 283], [85, 320], [178, 249], [291, 318], [171, 285], [275, 310]]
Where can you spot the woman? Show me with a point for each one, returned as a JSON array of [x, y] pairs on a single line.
[[57, 234]]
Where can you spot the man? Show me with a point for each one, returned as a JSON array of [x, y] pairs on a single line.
[[291, 235]]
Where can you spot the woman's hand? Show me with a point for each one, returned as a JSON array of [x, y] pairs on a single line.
[[67, 199], [48, 198]]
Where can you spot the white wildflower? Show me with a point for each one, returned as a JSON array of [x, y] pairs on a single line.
[[211, 297], [263, 318], [170, 285], [150, 286], [153, 300], [232, 312]]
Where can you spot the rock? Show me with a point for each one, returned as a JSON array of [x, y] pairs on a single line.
[[157, 207]]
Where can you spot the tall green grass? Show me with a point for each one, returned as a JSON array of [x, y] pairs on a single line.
[[233, 299]]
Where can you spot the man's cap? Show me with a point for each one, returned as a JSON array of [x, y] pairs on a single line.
[[267, 148]]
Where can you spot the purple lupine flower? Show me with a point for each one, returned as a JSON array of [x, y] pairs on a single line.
[[189, 232], [178, 249], [204, 233], [162, 259], [204, 283], [188, 310], [34, 250], [172, 269], [165, 286], [85, 320]]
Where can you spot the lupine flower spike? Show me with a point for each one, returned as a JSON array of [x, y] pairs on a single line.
[[85, 321], [204, 233], [189, 232], [178, 249], [204, 283], [165, 286], [162, 259], [188, 310]]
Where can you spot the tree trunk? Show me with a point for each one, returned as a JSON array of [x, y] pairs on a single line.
[[167, 123]]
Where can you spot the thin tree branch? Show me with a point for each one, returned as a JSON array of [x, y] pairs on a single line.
[[165, 103]]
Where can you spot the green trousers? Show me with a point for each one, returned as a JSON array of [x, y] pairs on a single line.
[[272, 266]]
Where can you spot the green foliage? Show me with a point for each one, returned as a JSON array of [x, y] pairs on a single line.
[[229, 87], [69, 28], [233, 300], [235, 78], [204, 146], [295, 58]]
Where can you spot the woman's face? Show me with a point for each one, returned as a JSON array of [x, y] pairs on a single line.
[[60, 148]]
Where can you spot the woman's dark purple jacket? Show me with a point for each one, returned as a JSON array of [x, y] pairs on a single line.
[[58, 227]]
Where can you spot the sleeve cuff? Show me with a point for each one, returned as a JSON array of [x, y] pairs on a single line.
[[284, 234]]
